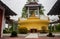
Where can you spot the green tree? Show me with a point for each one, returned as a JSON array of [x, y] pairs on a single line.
[[41, 11], [58, 27], [24, 12]]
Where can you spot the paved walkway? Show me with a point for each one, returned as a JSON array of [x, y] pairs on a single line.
[[30, 38], [56, 34], [32, 35]]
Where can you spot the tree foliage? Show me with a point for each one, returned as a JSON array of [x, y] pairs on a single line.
[[24, 12], [41, 11], [58, 27]]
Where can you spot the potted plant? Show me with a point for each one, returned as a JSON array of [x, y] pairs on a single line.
[[50, 33], [14, 34]]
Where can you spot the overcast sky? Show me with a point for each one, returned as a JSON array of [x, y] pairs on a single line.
[[17, 5]]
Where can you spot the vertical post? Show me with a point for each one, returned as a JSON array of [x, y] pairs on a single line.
[[54, 27], [3, 25], [28, 12], [8, 27], [13, 25], [2, 21], [35, 12], [38, 12], [51, 27]]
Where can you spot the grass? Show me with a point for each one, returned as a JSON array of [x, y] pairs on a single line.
[[56, 31]]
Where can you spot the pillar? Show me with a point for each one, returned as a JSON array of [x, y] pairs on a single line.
[[51, 27], [14, 26], [2, 21], [28, 12], [8, 26], [38, 12], [54, 27]]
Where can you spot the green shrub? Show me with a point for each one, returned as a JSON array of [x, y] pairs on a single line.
[[58, 27], [5, 31], [13, 34], [43, 29], [23, 30]]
